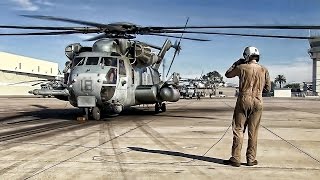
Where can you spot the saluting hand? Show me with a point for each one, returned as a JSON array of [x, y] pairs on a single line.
[[240, 61]]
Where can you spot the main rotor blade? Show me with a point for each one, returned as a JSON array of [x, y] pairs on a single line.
[[240, 34], [100, 36], [166, 35], [36, 83], [52, 18], [40, 33], [47, 27], [239, 27]]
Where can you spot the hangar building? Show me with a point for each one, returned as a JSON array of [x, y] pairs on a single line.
[[18, 73]]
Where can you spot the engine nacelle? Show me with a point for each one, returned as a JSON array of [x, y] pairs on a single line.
[[72, 49], [169, 94], [144, 55], [146, 94]]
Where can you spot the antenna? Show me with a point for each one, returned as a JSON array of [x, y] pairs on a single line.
[[163, 69]]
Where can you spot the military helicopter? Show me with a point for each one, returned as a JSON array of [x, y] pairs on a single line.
[[117, 71]]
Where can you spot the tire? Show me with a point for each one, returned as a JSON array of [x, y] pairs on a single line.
[[96, 114], [163, 107], [157, 108]]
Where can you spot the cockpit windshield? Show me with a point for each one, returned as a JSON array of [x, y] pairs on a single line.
[[106, 61], [78, 61], [109, 61], [92, 61]]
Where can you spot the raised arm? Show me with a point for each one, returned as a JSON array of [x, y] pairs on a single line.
[[234, 70]]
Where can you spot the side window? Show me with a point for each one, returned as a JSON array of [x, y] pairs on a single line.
[[122, 69], [132, 76], [78, 61], [109, 61]]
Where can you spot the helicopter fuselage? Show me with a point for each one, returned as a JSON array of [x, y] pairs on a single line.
[[114, 74], [111, 82]]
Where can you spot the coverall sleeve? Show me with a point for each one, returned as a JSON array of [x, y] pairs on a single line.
[[267, 86], [233, 71]]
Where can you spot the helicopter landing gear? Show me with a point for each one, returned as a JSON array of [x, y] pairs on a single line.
[[157, 108], [163, 107], [86, 113], [95, 113], [160, 106]]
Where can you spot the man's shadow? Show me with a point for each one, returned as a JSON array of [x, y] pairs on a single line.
[[179, 154]]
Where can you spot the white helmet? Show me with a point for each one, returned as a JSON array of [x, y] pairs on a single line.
[[250, 51]]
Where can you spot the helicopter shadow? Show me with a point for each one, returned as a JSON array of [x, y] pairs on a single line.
[[179, 154], [45, 113], [127, 113]]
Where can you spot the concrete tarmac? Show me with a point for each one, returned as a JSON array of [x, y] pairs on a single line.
[[41, 139]]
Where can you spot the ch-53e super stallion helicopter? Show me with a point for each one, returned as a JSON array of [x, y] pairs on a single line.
[[118, 72]]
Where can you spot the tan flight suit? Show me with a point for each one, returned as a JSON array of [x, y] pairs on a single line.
[[253, 79]]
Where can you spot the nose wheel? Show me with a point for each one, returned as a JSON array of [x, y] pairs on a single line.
[[95, 113]]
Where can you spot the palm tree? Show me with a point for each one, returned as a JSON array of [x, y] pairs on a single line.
[[280, 79]]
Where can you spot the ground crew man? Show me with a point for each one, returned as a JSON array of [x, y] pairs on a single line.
[[198, 95], [253, 80]]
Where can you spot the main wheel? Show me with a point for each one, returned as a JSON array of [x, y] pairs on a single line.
[[163, 107], [96, 114], [157, 108]]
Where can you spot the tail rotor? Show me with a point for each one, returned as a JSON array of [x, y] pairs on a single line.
[[177, 46]]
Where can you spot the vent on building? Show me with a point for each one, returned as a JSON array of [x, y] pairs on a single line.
[[19, 65], [38, 68]]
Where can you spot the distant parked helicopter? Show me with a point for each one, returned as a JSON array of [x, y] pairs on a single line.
[[118, 72]]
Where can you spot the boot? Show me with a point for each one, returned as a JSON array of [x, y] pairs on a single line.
[[252, 163], [232, 161]]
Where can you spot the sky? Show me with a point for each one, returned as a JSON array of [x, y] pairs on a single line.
[[280, 56]]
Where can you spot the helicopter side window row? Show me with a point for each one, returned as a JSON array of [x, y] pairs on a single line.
[[92, 61]]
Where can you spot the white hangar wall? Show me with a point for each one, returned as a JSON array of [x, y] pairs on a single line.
[[16, 69]]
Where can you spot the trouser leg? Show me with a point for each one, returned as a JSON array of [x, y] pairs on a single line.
[[238, 123], [253, 127]]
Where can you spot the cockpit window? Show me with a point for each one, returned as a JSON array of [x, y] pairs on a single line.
[[92, 61], [111, 76], [109, 61], [78, 61]]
